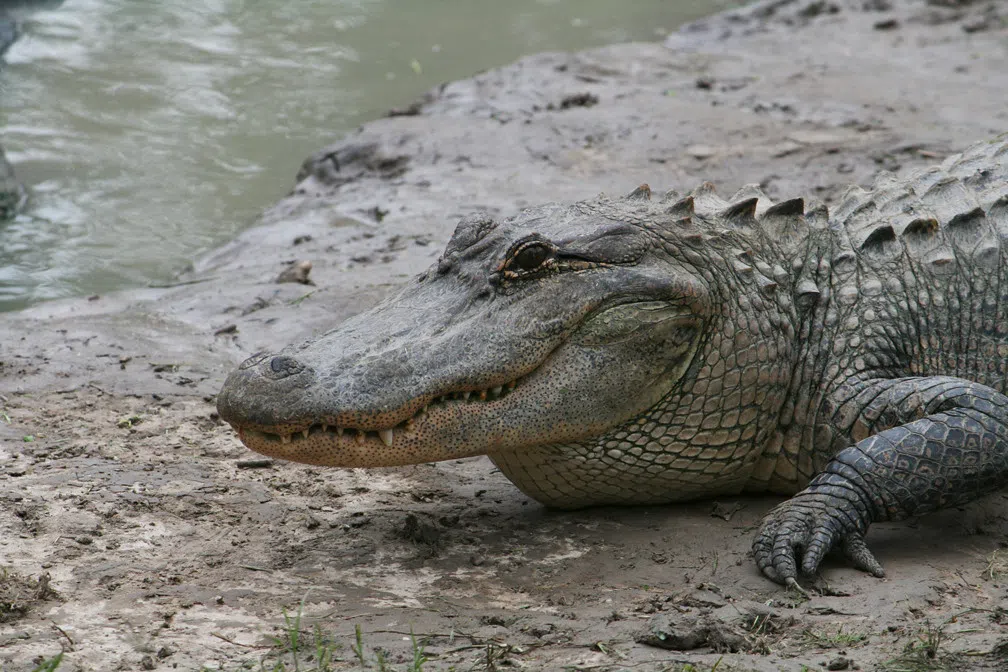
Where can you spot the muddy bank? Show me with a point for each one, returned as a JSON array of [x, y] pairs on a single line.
[[166, 549]]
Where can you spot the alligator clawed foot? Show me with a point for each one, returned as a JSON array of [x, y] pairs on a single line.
[[797, 535]]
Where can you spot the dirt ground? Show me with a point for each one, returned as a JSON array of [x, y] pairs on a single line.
[[136, 533]]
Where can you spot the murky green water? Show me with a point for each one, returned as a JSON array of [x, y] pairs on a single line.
[[151, 131]]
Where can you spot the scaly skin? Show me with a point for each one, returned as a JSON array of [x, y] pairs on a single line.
[[646, 351]]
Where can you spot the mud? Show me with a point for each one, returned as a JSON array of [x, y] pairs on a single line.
[[137, 533]]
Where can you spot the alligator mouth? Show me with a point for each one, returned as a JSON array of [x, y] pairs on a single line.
[[275, 442]]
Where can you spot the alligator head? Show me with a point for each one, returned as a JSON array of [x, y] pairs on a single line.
[[562, 326]]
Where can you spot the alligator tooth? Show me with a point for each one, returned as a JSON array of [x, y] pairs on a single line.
[[512, 385], [360, 436], [339, 431], [304, 433], [465, 395], [482, 395], [285, 438], [497, 390], [410, 425], [325, 427], [386, 436]]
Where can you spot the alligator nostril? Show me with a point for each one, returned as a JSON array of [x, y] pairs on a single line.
[[285, 366], [254, 360]]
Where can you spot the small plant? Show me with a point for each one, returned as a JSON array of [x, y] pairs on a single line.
[[996, 567], [419, 658], [129, 422], [690, 667], [932, 639], [922, 654], [418, 648], [51, 664], [838, 640], [324, 649], [358, 647], [380, 659], [293, 633], [294, 646]]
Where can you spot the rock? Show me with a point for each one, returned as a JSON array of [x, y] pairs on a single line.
[[722, 629], [686, 632], [676, 632], [8, 32], [12, 194], [420, 531], [297, 271], [10, 13], [701, 152]]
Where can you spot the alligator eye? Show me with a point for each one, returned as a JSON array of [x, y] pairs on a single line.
[[530, 257]]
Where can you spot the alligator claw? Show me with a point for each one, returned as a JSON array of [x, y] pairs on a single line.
[[793, 584], [800, 532], [855, 550]]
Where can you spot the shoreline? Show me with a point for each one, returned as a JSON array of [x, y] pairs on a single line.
[[129, 493]]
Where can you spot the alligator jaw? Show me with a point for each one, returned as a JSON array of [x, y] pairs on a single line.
[[325, 443]]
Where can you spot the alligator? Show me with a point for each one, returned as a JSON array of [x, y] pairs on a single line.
[[640, 350]]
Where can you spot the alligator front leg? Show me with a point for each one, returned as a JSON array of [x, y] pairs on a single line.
[[932, 443]]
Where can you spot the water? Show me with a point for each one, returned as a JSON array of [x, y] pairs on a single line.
[[152, 131]]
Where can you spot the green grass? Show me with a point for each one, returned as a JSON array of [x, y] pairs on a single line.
[[922, 654], [298, 649], [381, 664], [51, 664], [692, 667], [838, 640], [997, 567]]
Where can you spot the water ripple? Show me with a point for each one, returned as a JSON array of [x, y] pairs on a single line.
[[152, 131]]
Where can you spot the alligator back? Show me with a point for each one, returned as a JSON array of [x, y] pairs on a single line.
[[919, 276], [910, 279]]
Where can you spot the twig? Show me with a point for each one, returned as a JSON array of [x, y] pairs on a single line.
[[254, 463], [64, 633], [234, 643], [180, 283]]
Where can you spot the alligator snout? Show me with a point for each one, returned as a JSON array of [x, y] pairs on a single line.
[[251, 394]]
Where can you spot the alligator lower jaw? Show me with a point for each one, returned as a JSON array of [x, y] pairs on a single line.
[[333, 447], [326, 444], [338, 447]]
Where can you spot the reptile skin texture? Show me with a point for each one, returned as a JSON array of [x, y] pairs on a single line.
[[643, 350]]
